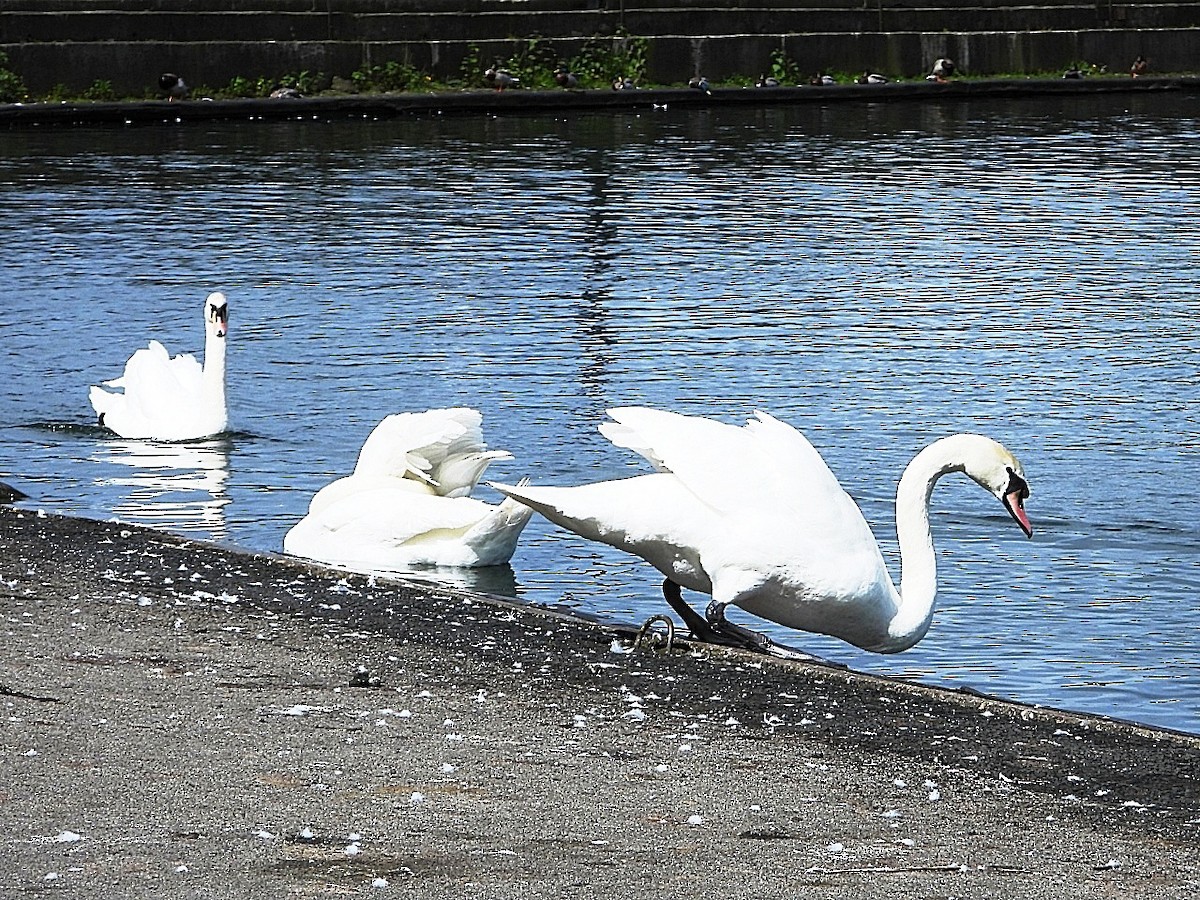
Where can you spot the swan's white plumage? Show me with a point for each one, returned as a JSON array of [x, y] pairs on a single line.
[[754, 516], [441, 447], [170, 398], [407, 502]]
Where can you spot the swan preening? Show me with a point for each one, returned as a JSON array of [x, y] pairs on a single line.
[[753, 516], [171, 398], [407, 502]]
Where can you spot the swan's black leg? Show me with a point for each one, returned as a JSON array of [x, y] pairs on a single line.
[[714, 628], [695, 622]]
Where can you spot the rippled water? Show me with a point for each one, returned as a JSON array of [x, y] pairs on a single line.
[[878, 275]]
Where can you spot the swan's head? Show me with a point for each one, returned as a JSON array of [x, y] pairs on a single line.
[[216, 313], [991, 465]]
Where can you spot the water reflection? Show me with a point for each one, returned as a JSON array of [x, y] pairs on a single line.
[[177, 487], [498, 580]]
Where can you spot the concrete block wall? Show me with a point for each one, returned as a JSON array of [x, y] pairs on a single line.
[[77, 42]]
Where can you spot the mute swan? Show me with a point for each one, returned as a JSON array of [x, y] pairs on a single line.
[[753, 516], [407, 502], [171, 398]]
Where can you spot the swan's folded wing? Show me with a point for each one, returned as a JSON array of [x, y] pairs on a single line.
[[157, 385], [390, 518], [458, 473]]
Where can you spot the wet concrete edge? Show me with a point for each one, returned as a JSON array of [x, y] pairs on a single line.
[[476, 102]]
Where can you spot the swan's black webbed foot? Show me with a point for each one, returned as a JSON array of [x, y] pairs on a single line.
[[715, 615], [714, 628], [751, 640]]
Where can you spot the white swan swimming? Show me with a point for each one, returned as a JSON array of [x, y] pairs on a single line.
[[171, 398], [753, 516], [407, 502]]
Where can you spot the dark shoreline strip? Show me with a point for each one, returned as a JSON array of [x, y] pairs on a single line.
[[381, 106]]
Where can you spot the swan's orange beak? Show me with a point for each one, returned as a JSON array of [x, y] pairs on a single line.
[[1014, 502]]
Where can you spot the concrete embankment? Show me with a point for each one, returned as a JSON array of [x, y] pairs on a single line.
[[76, 43], [519, 101], [184, 719]]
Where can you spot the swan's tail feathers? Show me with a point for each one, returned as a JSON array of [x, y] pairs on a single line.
[[564, 506], [494, 539], [102, 401]]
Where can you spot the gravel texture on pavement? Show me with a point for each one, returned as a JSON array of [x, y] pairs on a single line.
[[182, 719]]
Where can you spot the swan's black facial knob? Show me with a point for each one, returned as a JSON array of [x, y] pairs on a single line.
[[1017, 485], [219, 315]]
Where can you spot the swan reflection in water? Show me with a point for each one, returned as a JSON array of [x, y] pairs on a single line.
[[175, 487], [500, 580]]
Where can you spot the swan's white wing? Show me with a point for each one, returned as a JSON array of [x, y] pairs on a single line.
[[443, 447], [457, 475], [764, 465], [159, 393], [406, 444], [153, 373], [624, 436], [651, 516], [779, 504]]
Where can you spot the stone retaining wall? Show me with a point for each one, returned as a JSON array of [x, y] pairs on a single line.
[[79, 42]]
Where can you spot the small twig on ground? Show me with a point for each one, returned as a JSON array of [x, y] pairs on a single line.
[[9, 692], [884, 870]]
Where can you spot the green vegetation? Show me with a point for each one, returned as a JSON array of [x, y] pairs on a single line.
[[601, 61], [598, 63], [388, 78], [305, 82], [12, 87], [786, 69], [100, 90]]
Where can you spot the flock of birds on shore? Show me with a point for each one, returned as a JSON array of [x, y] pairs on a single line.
[[499, 78], [750, 515]]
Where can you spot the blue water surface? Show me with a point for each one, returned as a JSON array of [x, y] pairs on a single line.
[[879, 275]]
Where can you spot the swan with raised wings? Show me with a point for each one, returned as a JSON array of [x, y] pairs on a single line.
[[170, 398], [753, 516], [408, 501]]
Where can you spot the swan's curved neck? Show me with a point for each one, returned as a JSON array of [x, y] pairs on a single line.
[[214, 362], [918, 564]]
